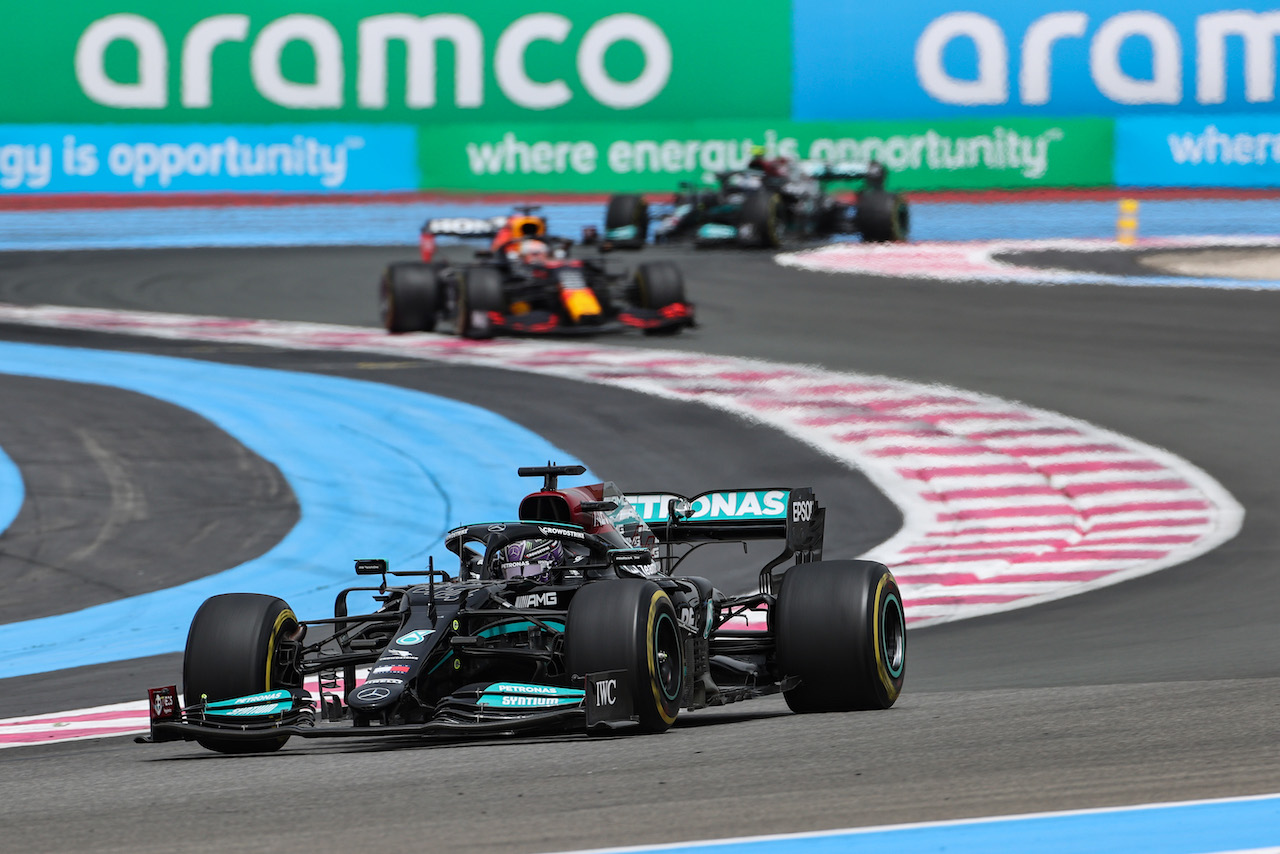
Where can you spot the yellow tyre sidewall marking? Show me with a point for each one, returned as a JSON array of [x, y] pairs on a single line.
[[654, 679], [285, 615], [882, 667]]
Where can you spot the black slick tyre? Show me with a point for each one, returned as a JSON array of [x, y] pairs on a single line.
[[659, 284], [841, 630], [630, 625], [627, 210], [480, 293], [758, 220], [409, 297], [231, 652], [882, 217]]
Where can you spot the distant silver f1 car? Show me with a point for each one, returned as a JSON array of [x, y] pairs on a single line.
[[763, 205], [572, 618]]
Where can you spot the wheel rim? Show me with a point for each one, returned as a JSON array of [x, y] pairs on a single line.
[[667, 666], [893, 635]]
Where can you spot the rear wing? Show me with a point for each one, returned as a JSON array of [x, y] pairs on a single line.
[[465, 226], [870, 171], [791, 515]]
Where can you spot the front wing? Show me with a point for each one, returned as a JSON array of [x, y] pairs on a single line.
[[496, 708]]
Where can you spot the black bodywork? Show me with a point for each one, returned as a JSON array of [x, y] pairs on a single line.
[[496, 293], [755, 207], [464, 650]]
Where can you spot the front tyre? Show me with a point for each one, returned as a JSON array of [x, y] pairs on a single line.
[[480, 296], [630, 625], [841, 629], [231, 652]]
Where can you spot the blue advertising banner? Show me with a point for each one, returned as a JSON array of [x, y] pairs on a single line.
[[206, 158], [952, 58], [1198, 151]]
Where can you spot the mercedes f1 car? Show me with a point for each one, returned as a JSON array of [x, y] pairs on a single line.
[[527, 283], [761, 207], [573, 618]]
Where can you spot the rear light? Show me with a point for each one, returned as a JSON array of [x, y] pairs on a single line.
[[427, 243]]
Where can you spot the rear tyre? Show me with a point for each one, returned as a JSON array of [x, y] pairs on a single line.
[[479, 294], [409, 297], [758, 221], [841, 629], [231, 652], [630, 625], [627, 210], [882, 217]]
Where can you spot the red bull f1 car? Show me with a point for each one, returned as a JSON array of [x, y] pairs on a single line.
[[763, 205], [573, 617], [527, 283]]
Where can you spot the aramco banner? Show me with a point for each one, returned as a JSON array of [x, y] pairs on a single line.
[[230, 61], [950, 58]]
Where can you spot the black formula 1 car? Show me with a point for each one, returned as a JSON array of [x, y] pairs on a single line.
[[761, 207], [571, 619], [527, 283]]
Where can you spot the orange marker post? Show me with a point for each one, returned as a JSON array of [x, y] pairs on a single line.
[[1127, 222]]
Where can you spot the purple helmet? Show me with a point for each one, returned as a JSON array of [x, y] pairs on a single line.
[[529, 559]]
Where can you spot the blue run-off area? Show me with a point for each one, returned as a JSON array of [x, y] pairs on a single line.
[[1237, 826], [397, 224], [378, 471]]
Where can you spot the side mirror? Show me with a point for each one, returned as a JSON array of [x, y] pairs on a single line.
[[630, 557], [605, 506], [374, 566], [629, 561]]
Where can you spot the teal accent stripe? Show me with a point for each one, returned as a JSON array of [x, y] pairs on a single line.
[[376, 469], [251, 700], [250, 711], [519, 626]]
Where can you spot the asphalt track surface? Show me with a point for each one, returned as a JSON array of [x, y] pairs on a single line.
[[1162, 688]]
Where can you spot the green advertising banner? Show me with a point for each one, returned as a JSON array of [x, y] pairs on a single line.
[[286, 61], [921, 155]]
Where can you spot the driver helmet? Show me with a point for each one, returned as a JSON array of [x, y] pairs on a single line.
[[533, 559], [533, 251]]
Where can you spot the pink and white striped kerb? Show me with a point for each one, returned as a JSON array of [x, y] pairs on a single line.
[[970, 261], [120, 719], [1005, 505]]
